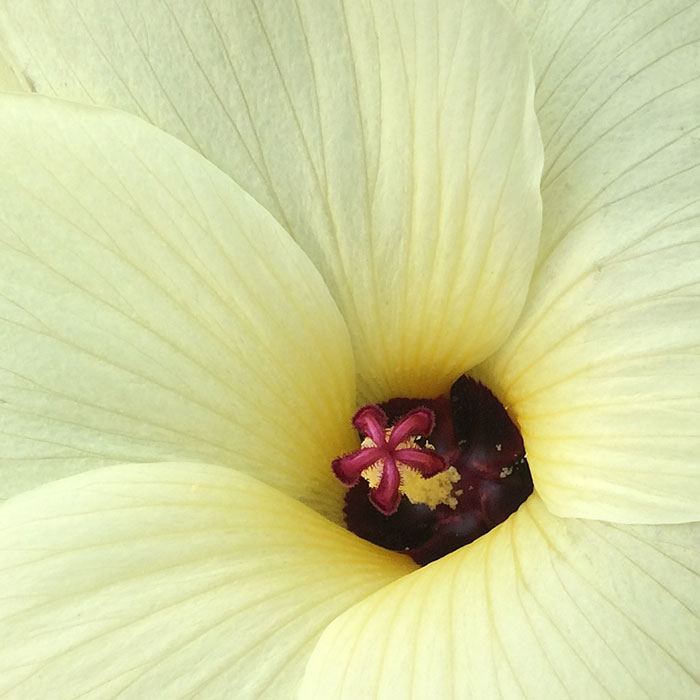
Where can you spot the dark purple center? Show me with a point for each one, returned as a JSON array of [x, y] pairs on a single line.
[[474, 434]]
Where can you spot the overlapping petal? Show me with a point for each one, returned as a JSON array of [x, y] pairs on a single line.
[[603, 368], [9, 80], [171, 580], [396, 141], [541, 607], [150, 310]]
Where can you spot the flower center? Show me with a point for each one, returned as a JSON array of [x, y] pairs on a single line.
[[429, 497]]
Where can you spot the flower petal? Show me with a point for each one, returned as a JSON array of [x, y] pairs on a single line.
[[150, 311], [603, 369], [540, 607], [171, 580], [9, 79], [396, 142]]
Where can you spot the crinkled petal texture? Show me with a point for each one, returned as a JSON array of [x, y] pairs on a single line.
[[541, 607], [171, 580], [396, 141], [150, 310], [603, 369]]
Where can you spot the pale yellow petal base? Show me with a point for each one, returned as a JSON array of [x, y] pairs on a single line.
[[150, 310], [171, 580], [540, 607]]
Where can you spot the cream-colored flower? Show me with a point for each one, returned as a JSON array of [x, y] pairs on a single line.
[[157, 320]]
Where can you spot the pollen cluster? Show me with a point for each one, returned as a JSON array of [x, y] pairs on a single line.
[[432, 492]]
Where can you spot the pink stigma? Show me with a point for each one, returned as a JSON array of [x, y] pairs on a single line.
[[388, 451]]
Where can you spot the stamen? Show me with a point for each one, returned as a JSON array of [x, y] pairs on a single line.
[[387, 452], [469, 478]]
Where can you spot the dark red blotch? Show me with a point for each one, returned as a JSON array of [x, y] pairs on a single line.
[[474, 433]]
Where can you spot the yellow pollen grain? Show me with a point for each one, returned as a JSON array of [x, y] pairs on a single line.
[[373, 475], [435, 491]]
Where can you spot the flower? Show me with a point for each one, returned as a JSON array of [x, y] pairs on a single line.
[[152, 311]]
